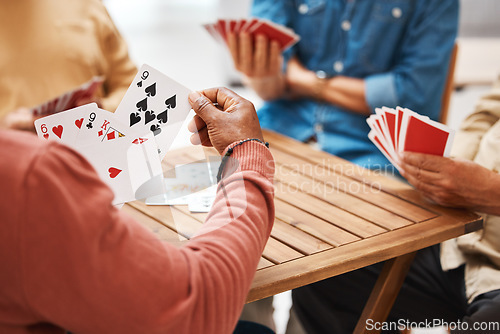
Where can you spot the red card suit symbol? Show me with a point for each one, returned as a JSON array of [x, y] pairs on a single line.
[[58, 130], [113, 172], [139, 141], [78, 123], [111, 135], [46, 135]]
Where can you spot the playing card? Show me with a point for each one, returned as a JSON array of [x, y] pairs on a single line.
[[68, 99], [154, 103], [190, 179], [374, 137], [130, 168], [285, 36], [425, 136], [275, 32], [65, 126], [401, 130], [100, 125], [202, 201]]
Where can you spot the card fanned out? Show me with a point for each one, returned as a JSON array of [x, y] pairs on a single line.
[[220, 30], [399, 130], [126, 148]]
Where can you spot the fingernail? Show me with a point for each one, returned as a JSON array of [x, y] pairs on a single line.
[[193, 96]]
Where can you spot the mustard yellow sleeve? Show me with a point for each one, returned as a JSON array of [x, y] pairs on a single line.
[[118, 67]]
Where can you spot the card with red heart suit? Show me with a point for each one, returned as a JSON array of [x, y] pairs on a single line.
[[130, 166], [399, 130], [69, 99], [65, 126], [285, 36]]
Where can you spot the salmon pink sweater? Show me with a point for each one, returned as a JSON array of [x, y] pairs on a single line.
[[70, 261]]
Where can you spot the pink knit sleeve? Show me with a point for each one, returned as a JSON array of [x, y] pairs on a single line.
[[90, 268]]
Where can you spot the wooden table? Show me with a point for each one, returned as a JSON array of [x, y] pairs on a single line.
[[331, 217]]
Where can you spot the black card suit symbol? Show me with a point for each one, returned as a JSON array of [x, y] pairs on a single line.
[[163, 117], [171, 102], [155, 129], [139, 84], [149, 116], [142, 105], [151, 90], [134, 118]]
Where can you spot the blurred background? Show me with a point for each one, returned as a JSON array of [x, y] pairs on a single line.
[[168, 35]]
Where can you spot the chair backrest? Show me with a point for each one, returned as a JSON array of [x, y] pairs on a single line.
[[448, 87]]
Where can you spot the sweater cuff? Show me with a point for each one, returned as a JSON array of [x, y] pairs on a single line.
[[249, 156]]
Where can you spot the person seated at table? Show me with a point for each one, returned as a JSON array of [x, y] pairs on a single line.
[[457, 281], [70, 260], [52, 47], [352, 57]]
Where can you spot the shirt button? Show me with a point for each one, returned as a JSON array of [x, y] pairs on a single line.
[[346, 25], [303, 8], [321, 74], [397, 12], [318, 127], [338, 66]]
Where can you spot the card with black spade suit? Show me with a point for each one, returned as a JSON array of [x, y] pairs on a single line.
[[156, 104]]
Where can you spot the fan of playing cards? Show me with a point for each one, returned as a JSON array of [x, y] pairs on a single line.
[[68, 100], [398, 130], [126, 147], [286, 37]]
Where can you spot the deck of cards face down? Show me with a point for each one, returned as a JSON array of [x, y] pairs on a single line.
[[126, 147], [399, 130], [69, 99], [286, 37]]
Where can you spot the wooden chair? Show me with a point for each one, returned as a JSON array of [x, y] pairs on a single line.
[[448, 88]]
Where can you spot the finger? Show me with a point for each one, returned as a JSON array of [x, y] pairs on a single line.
[[428, 162], [202, 106], [201, 137], [274, 58], [245, 55], [418, 183], [260, 56], [420, 174], [196, 124], [232, 42], [225, 98]]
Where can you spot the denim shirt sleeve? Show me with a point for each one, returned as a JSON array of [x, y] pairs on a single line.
[[278, 11], [417, 79]]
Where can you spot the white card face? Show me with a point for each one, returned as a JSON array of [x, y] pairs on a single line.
[[191, 179], [155, 104], [132, 170], [202, 201], [65, 126], [98, 126]]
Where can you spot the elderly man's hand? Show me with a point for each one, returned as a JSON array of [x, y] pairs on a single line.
[[453, 182], [232, 120]]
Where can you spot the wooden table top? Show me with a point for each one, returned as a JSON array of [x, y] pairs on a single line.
[[331, 217]]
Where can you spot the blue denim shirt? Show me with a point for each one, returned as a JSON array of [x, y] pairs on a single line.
[[400, 47]]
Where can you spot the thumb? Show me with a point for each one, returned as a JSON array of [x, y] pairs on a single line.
[[202, 105]]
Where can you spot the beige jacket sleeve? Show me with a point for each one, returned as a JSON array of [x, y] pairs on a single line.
[[475, 126]]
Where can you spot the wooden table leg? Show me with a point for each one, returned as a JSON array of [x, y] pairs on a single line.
[[385, 291]]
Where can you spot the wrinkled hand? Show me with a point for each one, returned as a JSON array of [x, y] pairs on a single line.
[[453, 182], [19, 119], [235, 118], [256, 60]]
